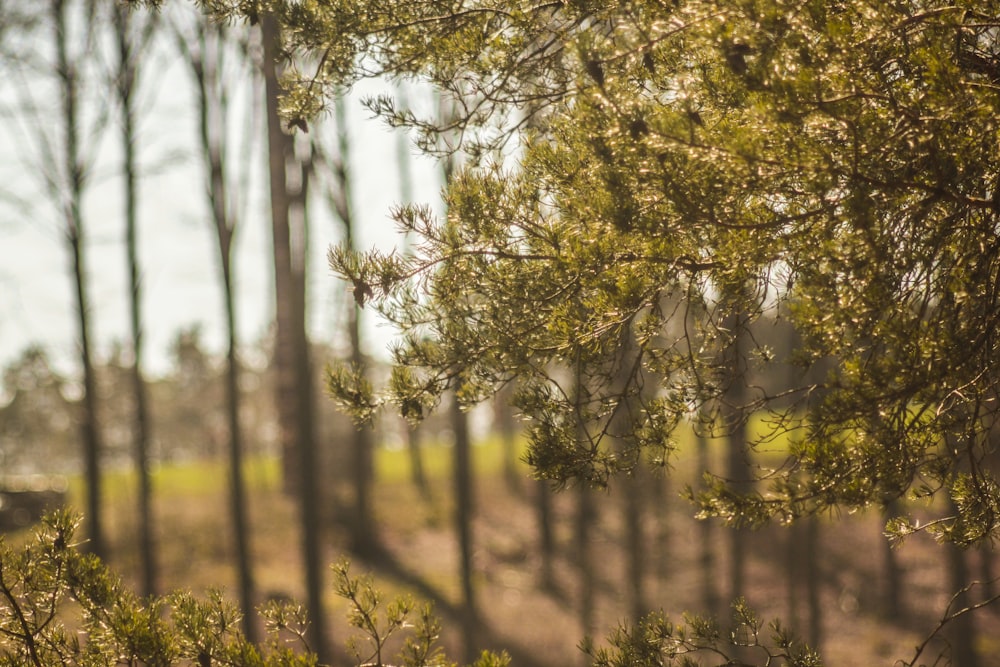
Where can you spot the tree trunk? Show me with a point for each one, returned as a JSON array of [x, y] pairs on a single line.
[[814, 583], [585, 517], [413, 439], [363, 525], [292, 355], [660, 499], [418, 476], [279, 153], [793, 572], [237, 487], [621, 429], [546, 540], [737, 453], [636, 544], [506, 424], [706, 542], [892, 573], [961, 630], [464, 511], [89, 419], [140, 429], [212, 118]]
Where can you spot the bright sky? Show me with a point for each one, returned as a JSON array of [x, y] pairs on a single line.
[[177, 243]]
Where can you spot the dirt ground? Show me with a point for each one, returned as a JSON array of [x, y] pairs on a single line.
[[541, 626]]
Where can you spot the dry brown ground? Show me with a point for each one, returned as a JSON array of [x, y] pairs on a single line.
[[541, 627]]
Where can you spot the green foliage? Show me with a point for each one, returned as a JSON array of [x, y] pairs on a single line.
[[61, 607], [645, 181], [655, 641], [420, 648], [675, 173]]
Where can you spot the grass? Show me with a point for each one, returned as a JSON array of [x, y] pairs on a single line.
[[195, 543], [205, 478]]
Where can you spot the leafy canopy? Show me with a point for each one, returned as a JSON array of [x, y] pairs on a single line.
[[645, 180]]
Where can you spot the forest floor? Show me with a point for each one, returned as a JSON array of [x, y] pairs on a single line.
[[540, 625]]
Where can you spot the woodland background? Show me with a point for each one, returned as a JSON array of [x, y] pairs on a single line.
[[228, 466]]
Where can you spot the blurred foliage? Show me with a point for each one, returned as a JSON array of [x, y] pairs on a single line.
[[642, 182], [64, 607], [657, 641], [672, 173]]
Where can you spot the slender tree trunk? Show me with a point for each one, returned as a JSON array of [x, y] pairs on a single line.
[[294, 378], [892, 572], [309, 499], [237, 486], [793, 571], [413, 439], [279, 152], [414, 449], [814, 583], [546, 539], [507, 428], [464, 511], [140, 429], [961, 631], [90, 422], [205, 67], [706, 542], [585, 516], [636, 545], [621, 428], [660, 499], [737, 458], [987, 575], [364, 538]]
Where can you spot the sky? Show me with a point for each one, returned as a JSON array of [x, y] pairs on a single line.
[[177, 242]]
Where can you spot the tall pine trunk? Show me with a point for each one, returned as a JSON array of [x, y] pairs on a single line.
[[74, 230], [212, 111], [546, 537], [237, 484], [707, 568], [364, 539], [127, 53], [292, 356], [633, 507], [464, 511], [734, 423], [413, 433]]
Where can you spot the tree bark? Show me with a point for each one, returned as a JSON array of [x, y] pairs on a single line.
[[737, 453], [212, 120], [237, 486], [706, 546], [140, 429], [546, 539], [814, 583], [892, 592], [364, 539], [961, 631], [506, 423], [414, 449], [464, 511], [635, 540], [74, 228], [292, 355], [585, 516], [413, 439]]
